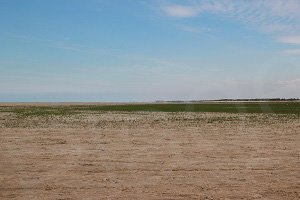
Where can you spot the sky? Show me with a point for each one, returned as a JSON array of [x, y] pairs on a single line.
[[147, 50]]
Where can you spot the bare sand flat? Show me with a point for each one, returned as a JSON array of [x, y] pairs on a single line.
[[150, 155]]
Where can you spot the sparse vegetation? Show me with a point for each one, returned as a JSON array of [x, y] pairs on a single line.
[[67, 151], [262, 107]]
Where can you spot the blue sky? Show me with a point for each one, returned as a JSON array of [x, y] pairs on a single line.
[[145, 50]]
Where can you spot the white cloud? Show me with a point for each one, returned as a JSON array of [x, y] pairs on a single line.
[[285, 8], [290, 39], [279, 18], [180, 11]]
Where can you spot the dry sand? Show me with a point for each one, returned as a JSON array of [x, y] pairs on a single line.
[[118, 155]]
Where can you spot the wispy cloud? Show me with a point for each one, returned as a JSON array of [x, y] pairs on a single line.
[[295, 83], [293, 52], [180, 11], [290, 39], [193, 29], [60, 44], [260, 12], [271, 14], [79, 48], [280, 18]]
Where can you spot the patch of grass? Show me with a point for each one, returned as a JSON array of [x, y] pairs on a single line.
[[276, 108], [266, 107]]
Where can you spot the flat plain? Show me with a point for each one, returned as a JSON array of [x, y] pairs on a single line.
[[150, 151]]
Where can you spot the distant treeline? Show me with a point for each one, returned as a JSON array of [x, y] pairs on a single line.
[[257, 99], [261, 99]]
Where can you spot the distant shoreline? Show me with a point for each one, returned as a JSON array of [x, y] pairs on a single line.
[[274, 100], [240, 100]]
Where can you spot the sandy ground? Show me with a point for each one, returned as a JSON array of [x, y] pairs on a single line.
[[114, 155]]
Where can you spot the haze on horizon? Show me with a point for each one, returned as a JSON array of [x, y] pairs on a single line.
[[128, 50]]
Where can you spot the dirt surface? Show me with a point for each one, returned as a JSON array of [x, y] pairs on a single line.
[[119, 155]]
